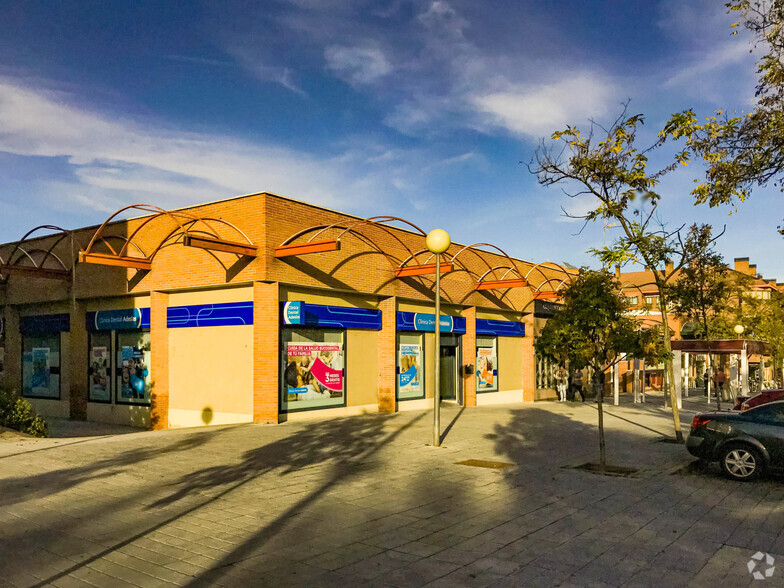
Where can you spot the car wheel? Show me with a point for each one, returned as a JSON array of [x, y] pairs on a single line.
[[741, 462]]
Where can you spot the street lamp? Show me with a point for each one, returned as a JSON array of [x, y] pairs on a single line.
[[437, 242], [738, 330]]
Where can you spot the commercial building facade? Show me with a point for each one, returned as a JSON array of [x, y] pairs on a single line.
[[260, 309]]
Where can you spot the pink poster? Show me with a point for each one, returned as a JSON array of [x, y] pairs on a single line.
[[314, 370]]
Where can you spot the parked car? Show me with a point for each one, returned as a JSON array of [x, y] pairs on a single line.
[[745, 403], [745, 443]]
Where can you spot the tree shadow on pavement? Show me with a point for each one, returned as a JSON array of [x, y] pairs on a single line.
[[13, 490], [342, 443]]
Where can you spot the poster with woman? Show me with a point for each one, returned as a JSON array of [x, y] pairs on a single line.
[[409, 381], [99, 374], [41, 371], [485, 368], [314, 371]]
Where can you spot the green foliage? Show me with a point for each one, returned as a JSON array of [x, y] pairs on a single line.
[[746, 150], [16, 413], [705, 287], [592, 328], [764, 321]]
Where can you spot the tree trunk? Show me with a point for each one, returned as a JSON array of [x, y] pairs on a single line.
[[598, 388], [676, 418]]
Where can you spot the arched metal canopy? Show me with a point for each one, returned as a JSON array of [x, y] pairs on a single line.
[[28, 260], [191, 230]]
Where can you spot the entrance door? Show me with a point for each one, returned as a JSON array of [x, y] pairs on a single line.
[[448, 375]]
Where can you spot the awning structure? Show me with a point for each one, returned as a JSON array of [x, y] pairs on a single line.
[[29, 258], [722, 346], [410, 262], [187, 229]]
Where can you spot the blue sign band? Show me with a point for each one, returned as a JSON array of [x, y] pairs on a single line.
[[419, 321], [210, 315], [45, 323], [124, 319], [318, 315], [500, 328]]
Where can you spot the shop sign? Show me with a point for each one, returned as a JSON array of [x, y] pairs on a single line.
[[545, 308], [421, 321], [327, 317], [118, 320], [293, 313]]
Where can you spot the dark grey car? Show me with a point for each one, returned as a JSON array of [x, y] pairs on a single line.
[[745, 444]]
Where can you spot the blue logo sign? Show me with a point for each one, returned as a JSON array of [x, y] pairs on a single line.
[[427, 322], [118, 320], [293, 313]]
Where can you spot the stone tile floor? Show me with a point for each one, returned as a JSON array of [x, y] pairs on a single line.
[[365, 501]]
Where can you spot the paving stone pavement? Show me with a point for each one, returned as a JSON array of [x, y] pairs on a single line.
[[365, 501]]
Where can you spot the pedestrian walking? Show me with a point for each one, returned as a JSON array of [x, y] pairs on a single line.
[[577, 383], [719, 380], [561, 382]]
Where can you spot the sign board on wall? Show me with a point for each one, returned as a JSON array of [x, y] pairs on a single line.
[[118, 320], [422, 321], [545, 308], [296, 312]]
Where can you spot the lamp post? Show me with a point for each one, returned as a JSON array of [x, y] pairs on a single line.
[[437, 242], [738, 330]]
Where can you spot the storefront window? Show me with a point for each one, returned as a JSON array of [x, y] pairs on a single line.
[[41, 366], [410, 366], [486, 364], [100, 369], [313, 368], [133, 367]]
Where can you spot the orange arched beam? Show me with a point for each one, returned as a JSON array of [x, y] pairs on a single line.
[[210, 239], [504, 282], [37, 269], [540, 294], [472, 249], [288, 250], [120, 258], [423, 269]]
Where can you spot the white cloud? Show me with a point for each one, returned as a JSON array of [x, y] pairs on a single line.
[[538, 110], [134, 157], [357, 65]]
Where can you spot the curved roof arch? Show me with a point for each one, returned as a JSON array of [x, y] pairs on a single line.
[[40, 261], [206, 236]]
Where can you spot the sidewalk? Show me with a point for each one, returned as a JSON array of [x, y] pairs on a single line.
[[366, 501]]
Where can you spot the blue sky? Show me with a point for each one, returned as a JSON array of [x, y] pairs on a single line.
[[418, 109]]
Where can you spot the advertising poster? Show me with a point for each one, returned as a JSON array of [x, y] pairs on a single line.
[[409, 381], [41, 374], [314, 371], [485, 368], [99, 374], [133, 374]]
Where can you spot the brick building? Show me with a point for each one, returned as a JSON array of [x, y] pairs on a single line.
[[260, 309]]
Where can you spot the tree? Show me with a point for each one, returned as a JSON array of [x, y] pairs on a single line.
[[593, 328], [614, 172], [702, 291], [764, 321], [747, 150]]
